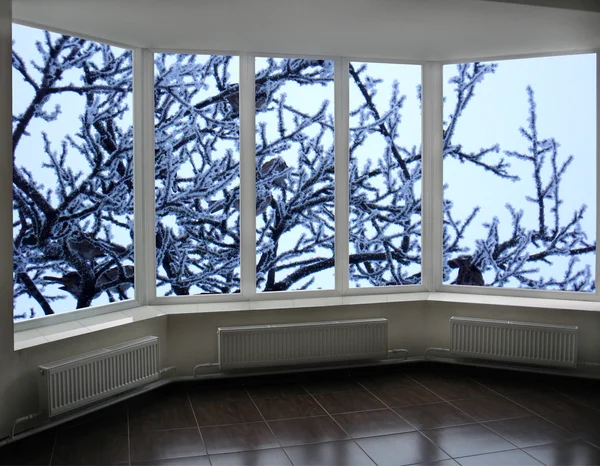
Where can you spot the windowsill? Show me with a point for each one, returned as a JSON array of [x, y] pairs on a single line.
[[29, 338]]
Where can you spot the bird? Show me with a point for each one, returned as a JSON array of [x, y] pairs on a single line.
[[113, 274], [274, 172], [71, 282], [468, 274], [263, 200], [261, 96], [84, 247]]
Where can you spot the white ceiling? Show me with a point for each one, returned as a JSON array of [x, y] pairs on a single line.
[[396, 29]]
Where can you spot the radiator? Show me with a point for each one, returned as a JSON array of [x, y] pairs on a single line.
[[303, 343], [523, 342], [80, 380]]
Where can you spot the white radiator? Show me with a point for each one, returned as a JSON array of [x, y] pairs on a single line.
[[523, 342], [80, 380], [304, 343]]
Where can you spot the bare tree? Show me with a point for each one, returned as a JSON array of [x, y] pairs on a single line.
[[514, 260], [68, 209], [73, 195]]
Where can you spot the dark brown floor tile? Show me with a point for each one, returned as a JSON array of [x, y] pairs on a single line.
[[373, 423], [332, 453], [289, 407], [490, 408], [292, 432], [407, 394], [438, 463], [91, 449], [161, 416], [346, 402], [583, 422], [238, 437], [529, 431], [212, 413], [451, 387], [318, 387], [167, 394], [574, 452], [585, 396], [385, 380], [401, 449], [275, 457], [166, 444], [262, 392], [505, 382], [468, 440], [543, 402], [191, 461], [200, 394], [432, 416], [112, 419], [34, 450], [503, 458]]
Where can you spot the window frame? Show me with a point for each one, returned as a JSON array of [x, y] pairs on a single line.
[[438, 194], [432, 187], [137, 300]]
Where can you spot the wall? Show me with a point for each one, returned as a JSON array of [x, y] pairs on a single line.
[[437, 314], [193, 337], [190, 339]]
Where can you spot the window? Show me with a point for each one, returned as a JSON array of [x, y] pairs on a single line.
[[385, 174], [73, 173], [519, 173], [294, 174], [197, 174]]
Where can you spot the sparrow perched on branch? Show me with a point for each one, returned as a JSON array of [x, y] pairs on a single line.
[[274, 172], [84, 247], [263, 200], [113, 274], [468, 274], [71, 282], [261, 96]]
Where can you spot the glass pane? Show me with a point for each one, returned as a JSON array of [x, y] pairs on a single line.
[[295, 174], [196, 99], [73, 173], [385, 174], [520, 173]]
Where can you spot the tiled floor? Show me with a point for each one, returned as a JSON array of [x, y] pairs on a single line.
[[421, 413]]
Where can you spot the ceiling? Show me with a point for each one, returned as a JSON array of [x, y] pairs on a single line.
[[420, 30]]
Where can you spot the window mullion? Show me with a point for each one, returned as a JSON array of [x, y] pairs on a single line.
[[144, 214], [432, 212], [597, 275], [342, 268], [247, 178]]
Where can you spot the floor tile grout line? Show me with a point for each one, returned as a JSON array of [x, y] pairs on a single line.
[[53, 448], [268, 426], [410, 423], [128, 435], [343, 430], [456, 407], [526, 408], [187, 394], [481, 423]]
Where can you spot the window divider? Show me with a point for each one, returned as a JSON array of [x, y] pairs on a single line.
[[342, 177], [247, 178], [143, 150], [597, 274], [432, 212]]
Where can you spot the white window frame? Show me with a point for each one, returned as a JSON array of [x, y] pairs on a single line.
[[432, 215]]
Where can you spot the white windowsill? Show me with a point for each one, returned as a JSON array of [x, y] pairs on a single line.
[[34, 337]]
